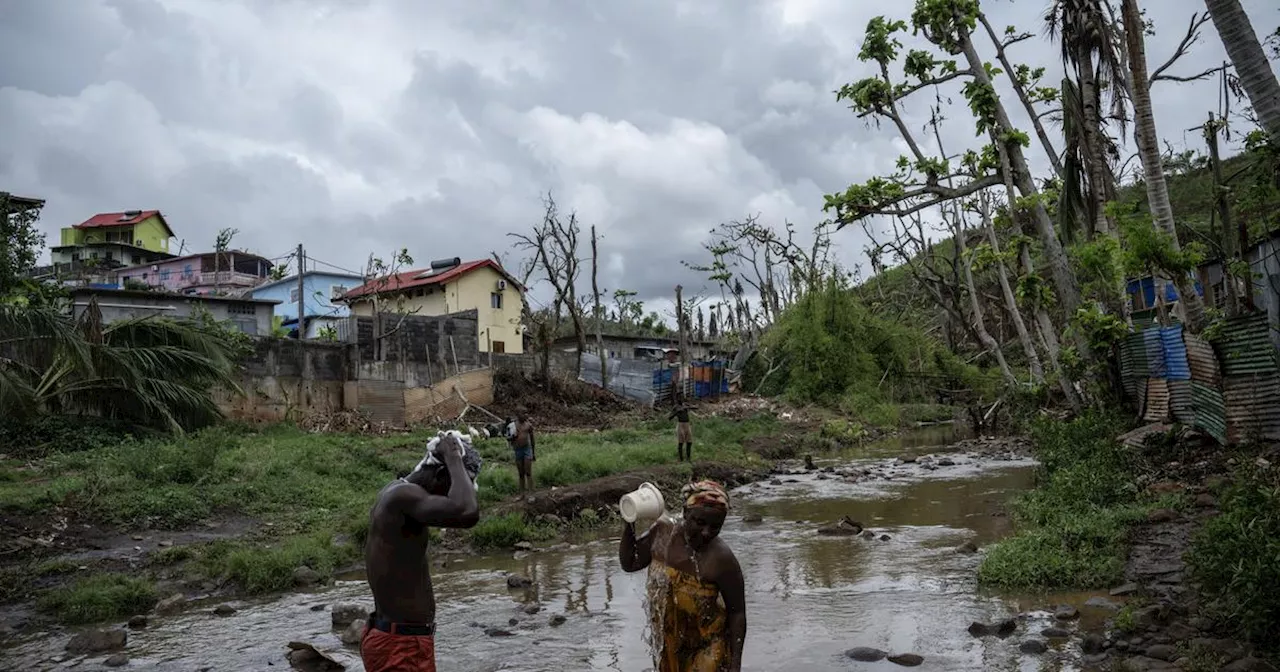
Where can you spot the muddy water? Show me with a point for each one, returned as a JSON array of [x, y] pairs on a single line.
[[810, 597]]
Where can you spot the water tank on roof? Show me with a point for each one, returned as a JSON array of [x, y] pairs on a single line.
[[445, 264]]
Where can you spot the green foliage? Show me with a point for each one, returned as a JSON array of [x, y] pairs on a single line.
[[862, 200], [41, 435], [1236, 559], [835, 351], [507, 531], [879, 45], [946, 23], [1072, 529], [99, 598], [20, 245], [147, 372]]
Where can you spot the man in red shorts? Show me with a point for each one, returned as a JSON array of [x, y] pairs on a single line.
[[440, 492]]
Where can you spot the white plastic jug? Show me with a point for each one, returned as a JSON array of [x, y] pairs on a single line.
[[644, 502]]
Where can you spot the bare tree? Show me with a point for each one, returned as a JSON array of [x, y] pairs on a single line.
[[221, 243], [554, 245], [598, 312], [382, 278]]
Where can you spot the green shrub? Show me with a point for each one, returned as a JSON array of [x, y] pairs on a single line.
[[99, 598], [1073, 528], [507, 531], [258, 568], [1236, 559]]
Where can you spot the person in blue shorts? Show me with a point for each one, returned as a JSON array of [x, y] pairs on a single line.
[[522, 442]]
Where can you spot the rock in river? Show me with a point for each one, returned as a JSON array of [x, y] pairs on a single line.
[[95, 641], [1066, 613], [1101, 603], [967, 547], [138, 621], [1032, 646], [305, 576], [343, 614], [224, 610], [557, 620], [117, 660], [845, 528], [353, 633], [517, 581], [865, 654], [907, 659], [499, 632], [1055, 633], [1002, 629], [171, 605]]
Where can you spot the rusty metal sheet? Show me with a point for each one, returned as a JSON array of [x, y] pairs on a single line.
[[382, 401], [1252, 407], [1175, 353], [1210, 410], [1153, 345], [1203, 361], [1245, 346], [1157, 407], [1180, 403]]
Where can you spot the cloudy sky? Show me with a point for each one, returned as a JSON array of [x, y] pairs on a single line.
[[362, 126]]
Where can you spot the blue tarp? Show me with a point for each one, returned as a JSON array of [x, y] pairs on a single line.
[[1175, 353]]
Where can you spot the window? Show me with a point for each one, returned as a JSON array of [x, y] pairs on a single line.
[[135, 260], [164, 275], [240, 309], [495, 300], [336, 291], [293, 295], [499, 347]]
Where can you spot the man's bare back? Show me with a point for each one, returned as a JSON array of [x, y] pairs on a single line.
[[440, 492]]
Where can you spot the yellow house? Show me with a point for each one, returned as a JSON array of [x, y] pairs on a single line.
[[116, 239], [452, 287]]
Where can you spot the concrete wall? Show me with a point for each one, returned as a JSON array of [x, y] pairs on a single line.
[[252, 317], [285, 379], [441, 340]]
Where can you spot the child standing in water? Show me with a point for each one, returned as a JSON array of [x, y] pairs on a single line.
[[700, 615]]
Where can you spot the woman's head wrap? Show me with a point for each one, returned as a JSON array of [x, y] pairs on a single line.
[[707, 494]]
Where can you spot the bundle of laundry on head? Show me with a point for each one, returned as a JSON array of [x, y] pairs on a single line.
[[471, 460]]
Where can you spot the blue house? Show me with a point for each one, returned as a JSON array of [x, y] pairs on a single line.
[[320, 288]]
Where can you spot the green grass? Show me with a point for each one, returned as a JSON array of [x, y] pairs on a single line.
[[310, 492], [1073, 528], [1236, 559], [99, 598]]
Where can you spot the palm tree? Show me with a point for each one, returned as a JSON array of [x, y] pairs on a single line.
[[1085, 36], [147, 372], [1149, 152], [1252, 66]]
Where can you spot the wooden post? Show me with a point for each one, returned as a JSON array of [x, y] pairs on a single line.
[[302, 296]]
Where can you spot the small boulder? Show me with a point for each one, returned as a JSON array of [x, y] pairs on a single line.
[[1101, 603], [517, 581], [1162, 516], [752, 518], [224, 610], [1005, 628], [967, 547], [557, 620], [353, 633], [1033, 646], [116, 660], [1066, 612], [1165, 652], [171, 605], [513, 622], [868, 534], [96, 641], [884, 537], [524, 546], [1055, 633], [1126, 589], [305, 576], [1092, 644], [532, 609], [946, 462], [907, 659], [1206, 501], [1249, 664], [844, 528], [138, 621], [865, 654], [498, 632], [907, 459], [343, 614]]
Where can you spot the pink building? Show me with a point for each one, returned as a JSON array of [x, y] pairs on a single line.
[[232, 273]]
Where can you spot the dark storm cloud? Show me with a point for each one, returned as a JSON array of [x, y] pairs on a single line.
[[363, 126]]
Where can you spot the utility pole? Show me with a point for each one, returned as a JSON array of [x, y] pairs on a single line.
[[302, 297], [681, 342]]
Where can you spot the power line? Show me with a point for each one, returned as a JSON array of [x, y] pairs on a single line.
[[340, 268]]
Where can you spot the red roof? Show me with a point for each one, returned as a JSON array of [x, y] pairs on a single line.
[[423, 277], [107, 219]]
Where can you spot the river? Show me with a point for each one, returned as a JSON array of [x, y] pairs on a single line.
[[810, 597]]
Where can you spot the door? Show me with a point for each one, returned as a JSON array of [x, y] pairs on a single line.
[[499, 347]]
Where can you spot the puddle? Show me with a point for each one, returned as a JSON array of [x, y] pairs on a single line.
[[810, 597]]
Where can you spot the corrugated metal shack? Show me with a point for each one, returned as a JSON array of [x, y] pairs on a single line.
[[1229, 388]]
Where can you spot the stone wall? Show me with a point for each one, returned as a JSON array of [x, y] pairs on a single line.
[[441, 340]]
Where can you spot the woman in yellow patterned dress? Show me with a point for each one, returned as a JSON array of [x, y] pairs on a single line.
[[697, 601]]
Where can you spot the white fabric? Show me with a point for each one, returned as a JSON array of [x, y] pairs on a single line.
[[432, 458]]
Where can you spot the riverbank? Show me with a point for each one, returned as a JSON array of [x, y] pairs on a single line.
[[1181, 536]]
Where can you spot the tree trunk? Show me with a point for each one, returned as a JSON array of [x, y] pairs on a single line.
[[1229, 252], [1011, 301], [1256, 76], [975, 306], [1149, 151], [1011, 73], [1064, 279], [599, 314]]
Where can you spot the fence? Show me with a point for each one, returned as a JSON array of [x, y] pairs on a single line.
[[631, 378], [1229, 388]]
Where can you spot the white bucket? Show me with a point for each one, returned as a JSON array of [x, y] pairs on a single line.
[[644, 502]]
